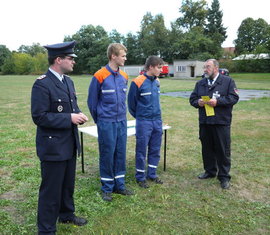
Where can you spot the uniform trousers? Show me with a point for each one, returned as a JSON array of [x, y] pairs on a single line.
[[56, 194], [112, 139], [148, 143], [216, 150]]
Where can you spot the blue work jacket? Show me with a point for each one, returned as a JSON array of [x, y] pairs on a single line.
[[107, 95], [143, 98]]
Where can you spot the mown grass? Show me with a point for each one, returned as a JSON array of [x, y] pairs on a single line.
[[182, 205]]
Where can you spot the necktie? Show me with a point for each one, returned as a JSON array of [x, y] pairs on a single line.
[[64, 82]]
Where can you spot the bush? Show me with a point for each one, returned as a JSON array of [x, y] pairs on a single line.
[[246, 66], [22, 63]]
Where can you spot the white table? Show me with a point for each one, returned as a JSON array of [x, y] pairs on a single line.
[[131, 130]]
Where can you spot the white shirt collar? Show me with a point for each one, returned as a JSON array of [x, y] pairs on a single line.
[[215, 78], [60, 77]]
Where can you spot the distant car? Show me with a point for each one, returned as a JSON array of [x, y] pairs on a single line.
[[142, 72], [224, 72], [164, 72]]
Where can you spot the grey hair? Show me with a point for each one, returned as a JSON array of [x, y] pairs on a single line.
[[215, 62]]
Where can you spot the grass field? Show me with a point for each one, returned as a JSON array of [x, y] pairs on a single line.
[[182, 205]]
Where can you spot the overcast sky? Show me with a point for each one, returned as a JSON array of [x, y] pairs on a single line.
[[24, 22]]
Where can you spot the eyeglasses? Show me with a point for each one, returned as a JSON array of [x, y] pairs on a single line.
[[69, 58], [207, 67]]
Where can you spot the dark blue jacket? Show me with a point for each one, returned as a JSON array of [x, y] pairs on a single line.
[[225, 91], [52, 103], [107, 95], [143, 98]]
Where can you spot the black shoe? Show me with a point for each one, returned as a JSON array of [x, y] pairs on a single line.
[[106, 196], [143, 184], [225, 184], [124, 192], [156, 180], [76, 221], [205, 175]]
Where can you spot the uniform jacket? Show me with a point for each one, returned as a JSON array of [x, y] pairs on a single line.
[[143, 98], [107, 95], [52, 103], [225, 91]]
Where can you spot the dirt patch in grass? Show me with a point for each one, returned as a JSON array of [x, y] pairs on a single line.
[[16, 217], [20, 150], [251, 191], [11, 195]]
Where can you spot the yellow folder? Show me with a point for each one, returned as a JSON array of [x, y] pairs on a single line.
[[208, 109]]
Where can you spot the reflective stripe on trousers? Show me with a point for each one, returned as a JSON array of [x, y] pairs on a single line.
[[112, 138], [148, 137]]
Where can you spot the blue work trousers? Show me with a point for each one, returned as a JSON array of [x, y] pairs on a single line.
[[148, 137], [112, 139]]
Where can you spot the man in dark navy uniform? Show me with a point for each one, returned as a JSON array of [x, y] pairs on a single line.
[[56, 113], [215, 127]]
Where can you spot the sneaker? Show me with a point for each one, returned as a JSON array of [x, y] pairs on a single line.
[[124, 192], [156, 180], [143, 184], [106, 196], [76, 221]]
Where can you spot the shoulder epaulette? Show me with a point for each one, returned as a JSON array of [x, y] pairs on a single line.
[[124, 74], [139, 80], [41, 77], [101, 74]]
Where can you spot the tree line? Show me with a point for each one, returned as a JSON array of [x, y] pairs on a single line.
[[197, 34]]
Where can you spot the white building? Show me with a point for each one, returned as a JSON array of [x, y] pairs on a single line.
[[179, 69], [188, 68], [132, 70]]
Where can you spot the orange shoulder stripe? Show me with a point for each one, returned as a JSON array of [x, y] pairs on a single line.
[[124, 74], [101, 74], [139, 80]]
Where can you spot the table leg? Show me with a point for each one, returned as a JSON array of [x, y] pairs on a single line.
[[165, 148], [82, 152]]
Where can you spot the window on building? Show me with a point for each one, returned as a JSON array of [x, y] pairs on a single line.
[[180, 68]]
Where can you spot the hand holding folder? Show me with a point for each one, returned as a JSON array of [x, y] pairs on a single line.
[[208, 109]]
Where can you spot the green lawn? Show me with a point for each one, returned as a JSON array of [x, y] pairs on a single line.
[[182, 205]]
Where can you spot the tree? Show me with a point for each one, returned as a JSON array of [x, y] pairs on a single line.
[[40, 63], [252, 34], [153, 36], [91, 47], [33, 50], [194, 14], [4, 54], [18, 63], [116, 37], [194, 45], [174, 41], [134, 53], [214, 28]]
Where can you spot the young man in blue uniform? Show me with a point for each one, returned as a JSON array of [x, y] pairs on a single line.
[[144, 106], [214, 131], [56, 113], [107, 105]]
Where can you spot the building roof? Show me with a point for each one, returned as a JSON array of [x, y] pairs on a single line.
[[252, 56]]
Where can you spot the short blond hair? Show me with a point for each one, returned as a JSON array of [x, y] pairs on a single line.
[[114, 49]]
